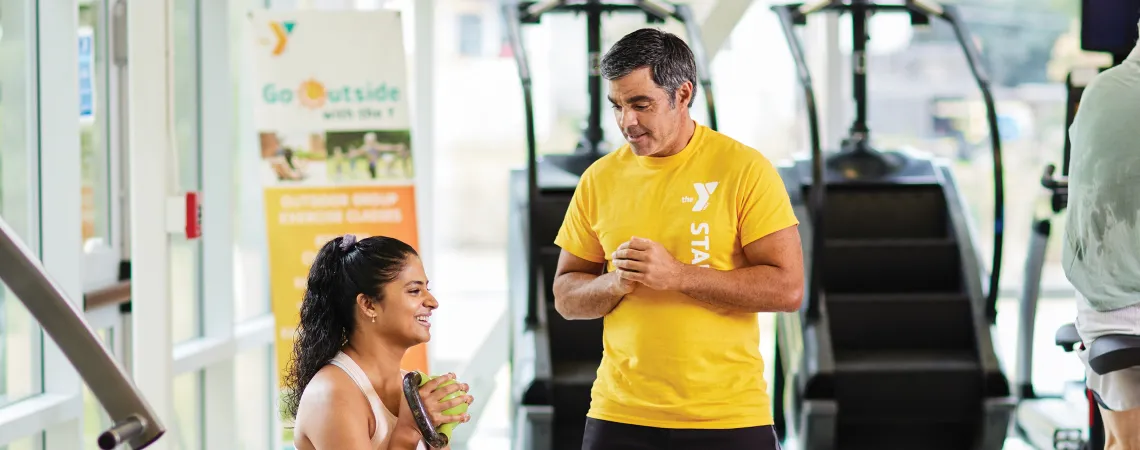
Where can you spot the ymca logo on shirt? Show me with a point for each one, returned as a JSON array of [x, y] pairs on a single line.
[[704, 192], [699, 243]]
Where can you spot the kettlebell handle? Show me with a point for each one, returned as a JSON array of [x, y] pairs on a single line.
[[432, 437]]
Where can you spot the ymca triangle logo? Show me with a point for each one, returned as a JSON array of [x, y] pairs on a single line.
[[281, 31], [704, 191]]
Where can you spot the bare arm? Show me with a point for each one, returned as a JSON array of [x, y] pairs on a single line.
[[334, 414], [581, 291], [772, 283], [406, 437]]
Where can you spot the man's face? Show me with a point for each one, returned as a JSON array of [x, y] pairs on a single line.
[[644, 113]]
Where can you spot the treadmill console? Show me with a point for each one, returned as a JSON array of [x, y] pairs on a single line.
[[1109, 25]]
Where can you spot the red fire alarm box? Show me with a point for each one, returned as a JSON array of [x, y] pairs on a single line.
[[184, 214], [193, 215]]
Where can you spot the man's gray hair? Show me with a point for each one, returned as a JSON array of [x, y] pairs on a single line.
[[669, 59]]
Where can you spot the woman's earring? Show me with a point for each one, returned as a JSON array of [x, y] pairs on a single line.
[[373, 319]]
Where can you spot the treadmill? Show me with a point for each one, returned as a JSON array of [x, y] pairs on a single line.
[[554, 361], [892, 348], [1049, 422]]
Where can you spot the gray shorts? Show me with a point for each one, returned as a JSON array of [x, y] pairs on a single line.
[[1120, 390]]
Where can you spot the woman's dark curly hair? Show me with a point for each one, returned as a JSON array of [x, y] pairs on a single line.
[[342, 269]]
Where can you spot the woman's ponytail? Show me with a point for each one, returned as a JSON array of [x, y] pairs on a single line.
[[325, 324]]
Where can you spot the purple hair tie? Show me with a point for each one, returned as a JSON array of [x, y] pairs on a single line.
[[347, 242]]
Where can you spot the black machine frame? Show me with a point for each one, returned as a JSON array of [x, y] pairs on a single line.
[[590, 147], [858, 142], [1037, 424], [856, 173]]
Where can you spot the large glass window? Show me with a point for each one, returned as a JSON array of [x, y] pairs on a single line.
[[19, 350], [188, 431], [27, 443], [95, 418], [186, 255], [20, 359], [251, 282], [253, 380], [470, 35], [93, 126]]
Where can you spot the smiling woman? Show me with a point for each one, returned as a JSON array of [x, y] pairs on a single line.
[[366, 303]]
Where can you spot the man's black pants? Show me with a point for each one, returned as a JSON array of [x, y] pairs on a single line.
[[603, 435]]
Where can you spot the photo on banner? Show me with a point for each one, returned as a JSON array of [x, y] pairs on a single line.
[[334, 133]]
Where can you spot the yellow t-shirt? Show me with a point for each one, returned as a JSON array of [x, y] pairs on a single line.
[[669, 360]]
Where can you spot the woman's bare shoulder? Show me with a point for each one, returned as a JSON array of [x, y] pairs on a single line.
[[331, 393]]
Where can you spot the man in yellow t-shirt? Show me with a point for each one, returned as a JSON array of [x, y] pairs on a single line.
[[677, 240]]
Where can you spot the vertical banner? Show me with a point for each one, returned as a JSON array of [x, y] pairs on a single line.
[[332, 118]]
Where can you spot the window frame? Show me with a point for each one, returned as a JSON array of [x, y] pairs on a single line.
[[470, 34], [55, 412], [101, 264], [53, 418]]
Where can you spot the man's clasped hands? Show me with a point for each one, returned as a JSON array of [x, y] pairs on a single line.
[[643, 261]]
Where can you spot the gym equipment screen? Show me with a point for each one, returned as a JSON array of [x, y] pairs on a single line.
[[1109, 25]]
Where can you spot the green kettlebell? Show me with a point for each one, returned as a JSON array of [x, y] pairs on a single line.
[[461, 408]]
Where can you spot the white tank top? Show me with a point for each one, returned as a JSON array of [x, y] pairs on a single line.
[[385, 420]]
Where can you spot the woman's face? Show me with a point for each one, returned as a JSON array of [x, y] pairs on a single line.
[[404, 313]]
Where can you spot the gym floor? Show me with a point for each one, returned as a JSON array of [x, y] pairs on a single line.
[[472, 302]]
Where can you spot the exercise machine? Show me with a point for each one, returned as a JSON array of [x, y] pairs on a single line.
[[135, 423], [554, 361], [1046, 422], [892, 348]]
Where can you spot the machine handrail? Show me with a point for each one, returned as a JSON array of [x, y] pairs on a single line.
[[788, 17], [950, 15], [659, 9], [514, 35], [538, 9], [684, 14], [136, 424], [793, 14]]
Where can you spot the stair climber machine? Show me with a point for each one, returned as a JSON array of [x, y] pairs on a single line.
[[1054, 422], [892, 348], [554, 361]]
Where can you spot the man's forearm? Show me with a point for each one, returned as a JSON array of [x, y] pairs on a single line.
[[749, 289], [582, 296]]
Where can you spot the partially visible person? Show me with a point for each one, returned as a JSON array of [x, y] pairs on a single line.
[[677, 239], [1101, 252], [402, 155], [375, 151], [366, 304], [338, 159], [287, 166]]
